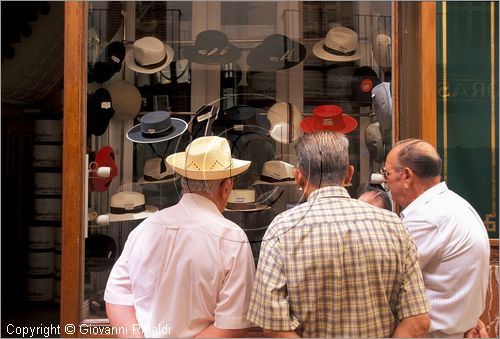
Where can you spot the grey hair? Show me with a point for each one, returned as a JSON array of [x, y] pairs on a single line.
[[323, 157], [413, 154], [200, 186]]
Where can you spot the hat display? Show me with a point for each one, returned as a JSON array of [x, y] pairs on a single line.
[[47, 155], [285, 120], [276, 52], [243, 200], [129, 205], [340, 44], [156, 127], [207, 158], [374, 142], [48, 130], [155, 174], [382, 48], [99, 112], [276, 172], [363, 80], [331, 118], [201, 125], [47, 183], [100, 252], [104, 158], [241, 119], [382, 104], [126, 99], [212, 47], [113, 59], [149, 55]]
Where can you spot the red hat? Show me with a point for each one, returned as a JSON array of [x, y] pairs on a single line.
[[329, 118], [104, 158]]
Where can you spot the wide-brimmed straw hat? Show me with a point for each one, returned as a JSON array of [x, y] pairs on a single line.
[[277, 173], [129, 205], [212, 47], [149, 55], [340, 44], [285, 122], [156, 127], [243, 200], [157, 172], [329, 118], [207, 158]]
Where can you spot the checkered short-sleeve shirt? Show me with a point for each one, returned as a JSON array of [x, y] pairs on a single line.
[[336, 267]]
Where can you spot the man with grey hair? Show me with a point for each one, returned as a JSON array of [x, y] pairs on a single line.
[[187, 271], [451, 238], [336, 266]]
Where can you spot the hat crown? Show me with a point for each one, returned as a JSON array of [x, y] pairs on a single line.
[[342, 39], [277, 169], [208, 154], [127, 200], [126, 99], [211, 39], [149, 51], [155, 122], [152, 168], [241, 196]]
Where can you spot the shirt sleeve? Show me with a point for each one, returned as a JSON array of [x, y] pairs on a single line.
[[118, 288], [269, 307], [234, 297], [412, 298]]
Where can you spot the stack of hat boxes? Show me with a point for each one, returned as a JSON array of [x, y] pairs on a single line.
[[44, 233]]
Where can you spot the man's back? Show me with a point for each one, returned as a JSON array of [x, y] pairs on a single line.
[[453, 251], [350, 270], [187, 267]]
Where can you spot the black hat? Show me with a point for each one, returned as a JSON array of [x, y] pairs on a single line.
[[363, 80], [113, 60], [239, 120], [212, 47], [275, 53], [201, 125], [100, 252], [99, 112]]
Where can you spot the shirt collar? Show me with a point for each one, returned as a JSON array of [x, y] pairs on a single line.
[[191, 200], [424, 198], [328, 192]]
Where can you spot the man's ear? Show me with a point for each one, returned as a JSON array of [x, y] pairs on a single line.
[[299, 178], [348, 175], [226, 187]]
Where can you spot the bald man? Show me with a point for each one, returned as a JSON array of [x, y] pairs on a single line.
[[451, 238]]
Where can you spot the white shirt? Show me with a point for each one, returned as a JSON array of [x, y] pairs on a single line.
[[454, 256], [183, 269]]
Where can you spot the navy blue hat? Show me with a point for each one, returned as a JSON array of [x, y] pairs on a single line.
[[156, 127]]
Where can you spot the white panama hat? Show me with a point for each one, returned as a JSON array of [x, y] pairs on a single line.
[[128, 205], [149, 55], [207, 158]]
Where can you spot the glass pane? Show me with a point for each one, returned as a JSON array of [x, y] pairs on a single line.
[[248, 71]]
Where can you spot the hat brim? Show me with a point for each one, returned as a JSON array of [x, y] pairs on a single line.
[[255, 209], [143, 181], [232, 54], [309, 125], [133, 216], [259, 61], [277, 183], [322, 54], [134, 134], [131, 64], [178, 162]]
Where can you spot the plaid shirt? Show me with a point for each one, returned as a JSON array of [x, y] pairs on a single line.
[[336, 267]]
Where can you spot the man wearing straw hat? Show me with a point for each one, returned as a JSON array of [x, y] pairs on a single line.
[[335, 266], [187, 271]]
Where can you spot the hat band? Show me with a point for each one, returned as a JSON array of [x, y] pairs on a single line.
[[337, 52], [271, 179], [122, 210], [152, 133], [151, 66]]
